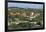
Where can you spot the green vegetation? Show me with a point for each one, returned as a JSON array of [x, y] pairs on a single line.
[[23, 17]]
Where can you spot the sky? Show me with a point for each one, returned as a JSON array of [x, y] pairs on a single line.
[[25, 5]]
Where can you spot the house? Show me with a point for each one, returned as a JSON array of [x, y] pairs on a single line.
[[33, 22], [32, 14]]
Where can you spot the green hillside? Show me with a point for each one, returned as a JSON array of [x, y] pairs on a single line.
[[24, 18]]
